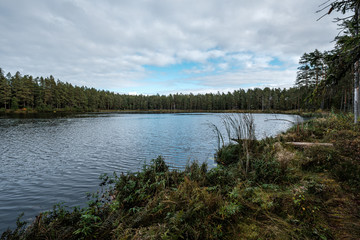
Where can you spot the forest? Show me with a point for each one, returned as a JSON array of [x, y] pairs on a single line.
[[46, 94]]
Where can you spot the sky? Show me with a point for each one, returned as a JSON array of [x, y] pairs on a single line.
[[162, 46]]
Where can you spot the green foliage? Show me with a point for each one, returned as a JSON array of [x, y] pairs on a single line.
[[319, 159], [229, 154], [223, 179], [87, 224], [196, 172], [14, 103], [267, 171]]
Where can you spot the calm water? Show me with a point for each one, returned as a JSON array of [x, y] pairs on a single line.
[[44, 161]]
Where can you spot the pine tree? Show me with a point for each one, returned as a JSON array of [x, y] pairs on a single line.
[[5, 90]]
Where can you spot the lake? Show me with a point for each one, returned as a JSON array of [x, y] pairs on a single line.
[[47, 160]]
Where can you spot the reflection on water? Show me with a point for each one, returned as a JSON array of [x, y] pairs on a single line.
[[50, 160]]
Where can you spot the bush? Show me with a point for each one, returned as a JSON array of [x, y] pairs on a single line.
[[319, 158], [267, 171], [223, 179], [229, 154], [348, 170], [196, 172]]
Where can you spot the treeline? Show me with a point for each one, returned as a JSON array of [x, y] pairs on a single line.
[[46, 94]]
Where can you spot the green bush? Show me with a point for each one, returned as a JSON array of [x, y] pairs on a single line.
[[348, 170], [319, 158], [196, 172], [229, 154], [223, 179], [267, 171]]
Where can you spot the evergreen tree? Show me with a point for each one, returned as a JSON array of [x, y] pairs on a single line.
[[5, 90]]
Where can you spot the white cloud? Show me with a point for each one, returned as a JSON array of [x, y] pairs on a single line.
[[250, 78], [223, 66], [106, 44]]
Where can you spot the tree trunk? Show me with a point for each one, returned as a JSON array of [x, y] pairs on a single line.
[[345, 101], [356, 74], [341, 103], [356, 92], [309, 144]]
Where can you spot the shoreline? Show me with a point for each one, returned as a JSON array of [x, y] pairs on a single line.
[[27, 112]]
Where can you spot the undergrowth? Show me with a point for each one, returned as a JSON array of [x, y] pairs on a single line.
[[264, 190]]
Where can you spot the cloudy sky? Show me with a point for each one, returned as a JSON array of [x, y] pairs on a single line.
[[162, 46]]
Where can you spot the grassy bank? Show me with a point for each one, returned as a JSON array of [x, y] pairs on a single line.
[[264, 189]]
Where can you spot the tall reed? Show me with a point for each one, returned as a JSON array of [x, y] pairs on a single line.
[[239, 128]]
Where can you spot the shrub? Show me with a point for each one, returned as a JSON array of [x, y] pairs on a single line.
[[266, 171], [223, 179], [229, 154], [319, 158], [196, 172]]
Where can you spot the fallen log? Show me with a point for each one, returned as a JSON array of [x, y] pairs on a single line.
[[309, 144]]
